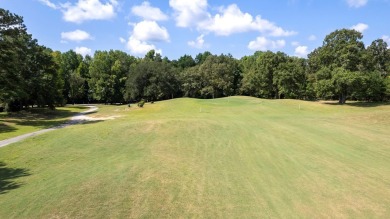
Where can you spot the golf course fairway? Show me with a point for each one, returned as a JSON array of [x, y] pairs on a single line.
[[235, 157]]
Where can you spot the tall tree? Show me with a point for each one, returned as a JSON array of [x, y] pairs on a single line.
[[151, 80], [342, 55], [76, 86], [108, 75], [14, 42], [185, 61], [378, 56], [217, 76], [69, 63], [290, 78], [28, 73], [201, 57], [261, 78]]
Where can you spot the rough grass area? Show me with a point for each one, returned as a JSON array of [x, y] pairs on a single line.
[[236, 157], [19, 123]]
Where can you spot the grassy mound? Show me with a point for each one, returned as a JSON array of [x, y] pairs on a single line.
[[229, 157]]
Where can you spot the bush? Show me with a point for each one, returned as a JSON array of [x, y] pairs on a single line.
[[141, 103]]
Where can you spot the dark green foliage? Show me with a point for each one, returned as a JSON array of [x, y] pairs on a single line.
[[152, 80], [273, 75], [185, 62], [201, 57], [344, 69], [108, 73], [217, 76], [28, 74], [378, 57], [141, 103]]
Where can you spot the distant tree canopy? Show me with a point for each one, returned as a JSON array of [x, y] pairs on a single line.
[[33, 75], [343, 68]]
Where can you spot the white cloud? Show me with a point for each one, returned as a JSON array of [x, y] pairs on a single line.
[[262, 43], [189, 13], [122, 40], [229, 20], [198, 43], [295, 43], [85, 10], [83, 51], [360, 27], [150, 31], [312, 37], [301, 51], [77, 35], [232, 20], [387, 40], [139, 47], [357, 3], [145, 32], [49, 4], [147, 12]]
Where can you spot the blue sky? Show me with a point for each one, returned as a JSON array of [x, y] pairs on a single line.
[[178, 27]]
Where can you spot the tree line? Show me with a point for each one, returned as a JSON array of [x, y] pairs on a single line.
[[34, 75]]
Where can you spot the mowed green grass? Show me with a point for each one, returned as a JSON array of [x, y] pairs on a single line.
[[236, 157], [19, 123]]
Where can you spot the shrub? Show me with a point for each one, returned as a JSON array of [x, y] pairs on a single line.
[[141, 103]]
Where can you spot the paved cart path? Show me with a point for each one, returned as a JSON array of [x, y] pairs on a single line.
[[79, 118]]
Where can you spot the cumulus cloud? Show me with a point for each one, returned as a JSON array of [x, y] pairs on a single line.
[[262, 43], [139, 47], [360, 27], [83, 51], [77, 35], [189, 13], [232, 20], [198, 43], [145, 32], [312, 37], [229, 20], [85, 10], [147, 12], [50, 4], [122, 40], [150, 31], [301, 51], [356, 3]]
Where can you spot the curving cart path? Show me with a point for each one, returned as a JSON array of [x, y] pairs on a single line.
[[80, 117]]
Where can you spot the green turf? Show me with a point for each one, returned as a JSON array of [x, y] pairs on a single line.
[[236, 157], [26, 121]]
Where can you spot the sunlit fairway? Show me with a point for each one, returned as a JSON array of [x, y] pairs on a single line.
[[230, 157]]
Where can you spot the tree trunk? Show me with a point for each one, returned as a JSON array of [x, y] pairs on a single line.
[[342, 98]]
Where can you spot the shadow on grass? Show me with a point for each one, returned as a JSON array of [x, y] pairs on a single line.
[[8, 176], [37, 114], [41, 118], [6, 128], [359, 104]]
